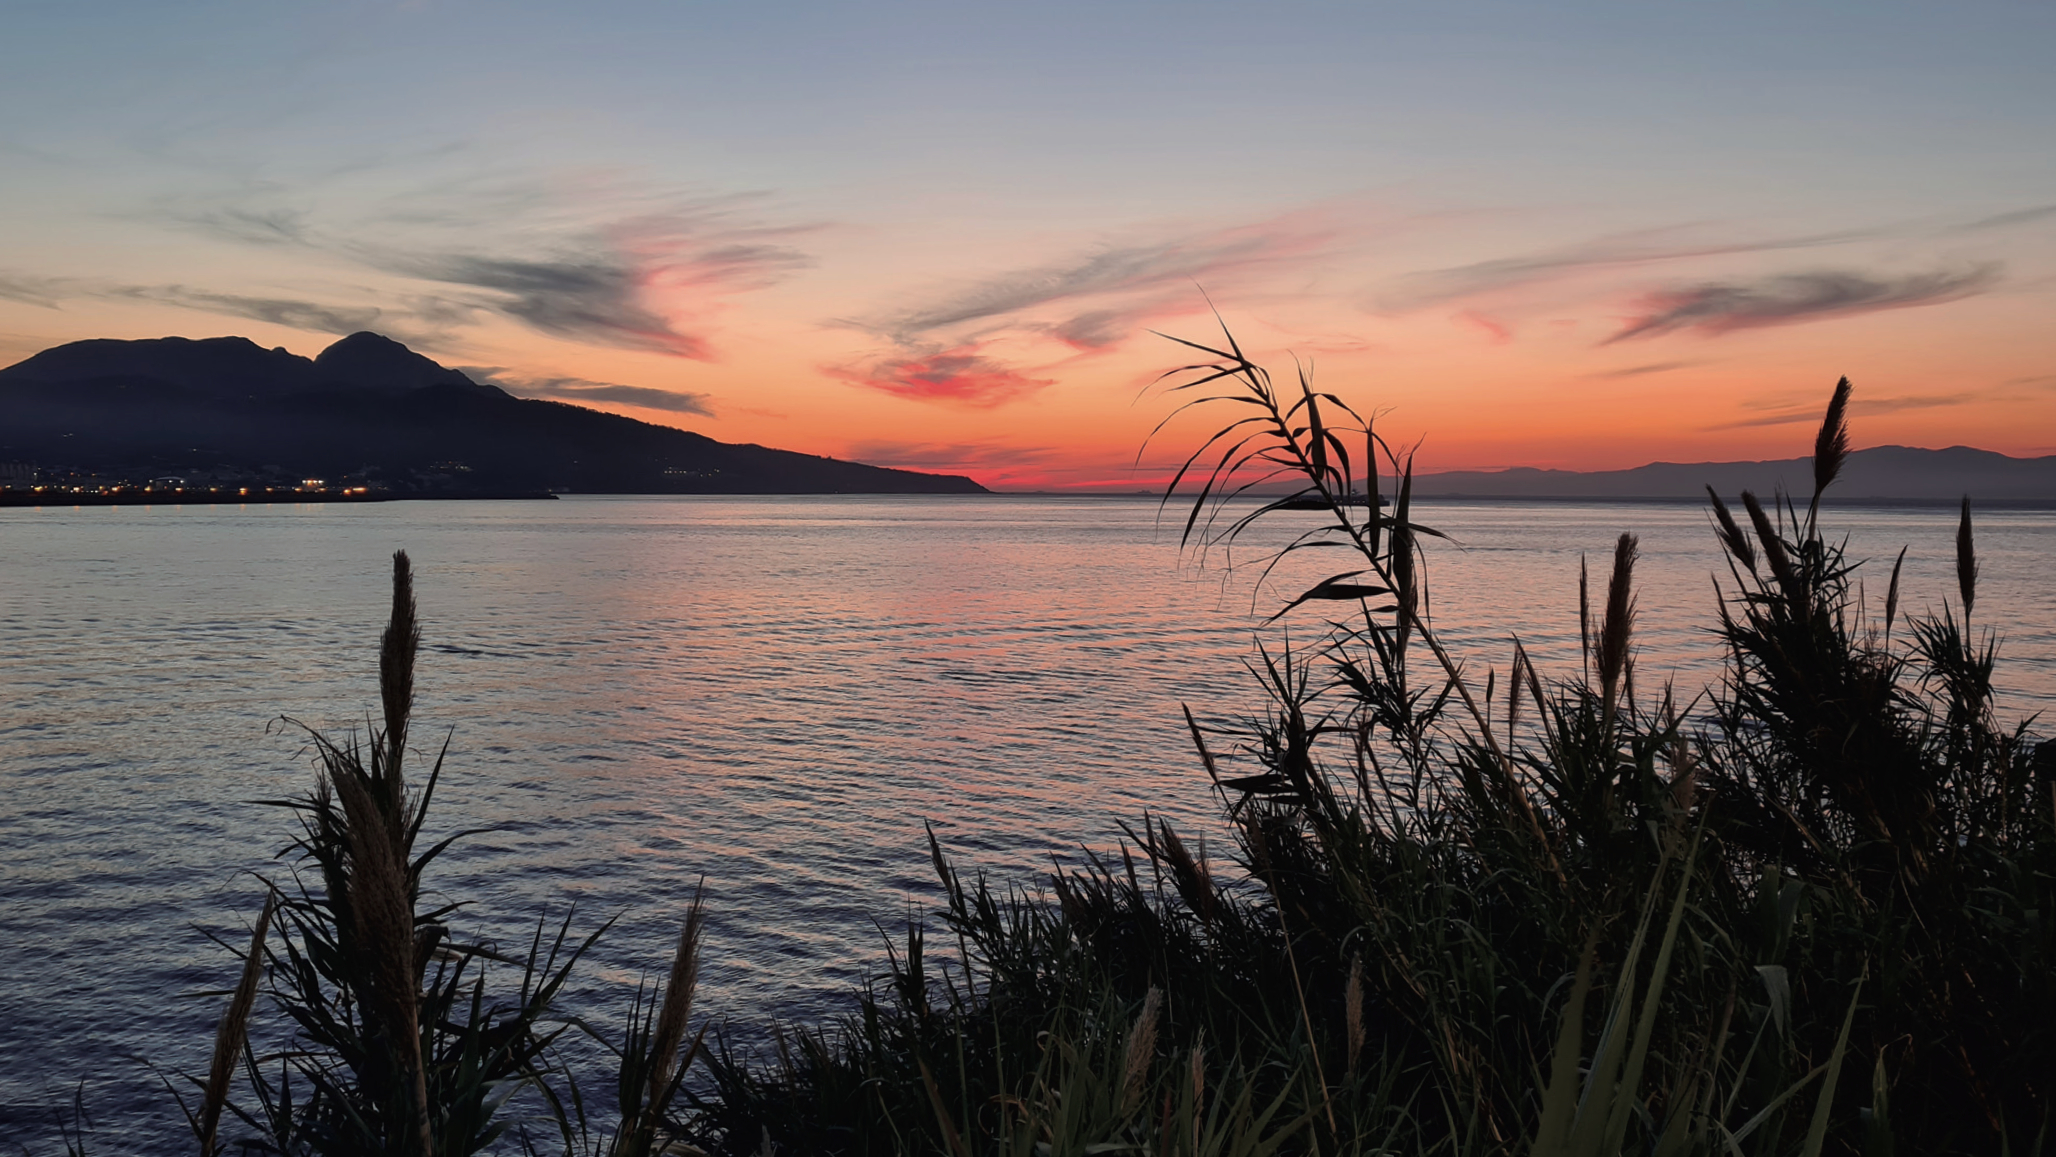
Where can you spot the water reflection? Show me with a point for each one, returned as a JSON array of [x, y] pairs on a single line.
[[773, 693]]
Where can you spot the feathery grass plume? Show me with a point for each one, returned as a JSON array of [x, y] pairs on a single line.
[[1892, 594], [1585, 617], [385, 1054], [1684, 783], [1731, 536], [396, 650], [664, 1069], [1775, 554], [1194, 880], [678, 994], [1966, 561], [1513, 693], [1830, 447], [232, 1031], [382, 934], [375, 839], [651, 1070], [1618, 626], [1140, 1051], [1400, 553]]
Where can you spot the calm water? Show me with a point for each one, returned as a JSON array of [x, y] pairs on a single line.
[[771, 693]]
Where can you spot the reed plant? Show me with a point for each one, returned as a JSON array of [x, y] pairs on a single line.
[[391, 1032], [1541, 913], [1462, 913]]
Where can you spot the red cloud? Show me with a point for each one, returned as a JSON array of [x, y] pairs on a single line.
[[1496, 330], [957, 375]]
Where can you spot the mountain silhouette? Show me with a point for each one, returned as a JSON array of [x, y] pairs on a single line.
[[378, 362], [1878, 474], [369, 408]]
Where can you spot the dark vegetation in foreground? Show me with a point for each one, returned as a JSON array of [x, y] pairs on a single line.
[[1809, 914]]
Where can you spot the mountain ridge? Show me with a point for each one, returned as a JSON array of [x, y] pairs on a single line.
[[370, 409], [1878, 473]]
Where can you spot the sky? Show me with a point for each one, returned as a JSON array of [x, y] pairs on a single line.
[[948, 236]]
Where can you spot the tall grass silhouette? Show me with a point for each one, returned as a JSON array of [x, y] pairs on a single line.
[[1469, 914], [396, 1034], [1546, 913]]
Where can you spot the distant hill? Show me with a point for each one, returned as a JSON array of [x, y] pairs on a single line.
[[1882, 473], [368, 407]]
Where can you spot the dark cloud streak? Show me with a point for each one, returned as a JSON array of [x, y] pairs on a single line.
[[619, 282], [248, 226], [2008, 220], [1148, 269], [586, 298], [44, 291], [1859, 406], [1436, 286], [581, 390], [1643, 371], [1723, 307], [289, 312], [1090, 303]]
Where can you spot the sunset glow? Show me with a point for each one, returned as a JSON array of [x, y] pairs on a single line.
[[940, 238]]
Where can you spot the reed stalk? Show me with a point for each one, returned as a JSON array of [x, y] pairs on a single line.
[[1605, 929], [1417, 891], [232, 1032]]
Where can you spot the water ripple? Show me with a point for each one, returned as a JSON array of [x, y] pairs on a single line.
[[773, 694]]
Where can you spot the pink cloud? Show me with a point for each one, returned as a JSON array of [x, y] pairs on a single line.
[[1497, 331], [960, 376]]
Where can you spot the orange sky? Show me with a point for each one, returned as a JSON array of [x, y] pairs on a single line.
[[1588, 242]]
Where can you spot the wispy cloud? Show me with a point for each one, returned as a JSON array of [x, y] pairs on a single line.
[[626, 286], [592, 298], [1120, 271], [1091, 302], [1096, 328], [960, 376], [248, 225], [581, 390], [2008, 220], [1661, 246], [285, 311], [1860, 406], [1723, 307], [1437, 286], [1644, 371], [294, 313], [1491, 327], [633, 272], [30, 290]]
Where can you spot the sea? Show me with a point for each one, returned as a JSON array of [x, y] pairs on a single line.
[[779, 699]]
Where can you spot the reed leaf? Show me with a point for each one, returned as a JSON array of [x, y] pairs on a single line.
[[1892, 594], [1966, 561]]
